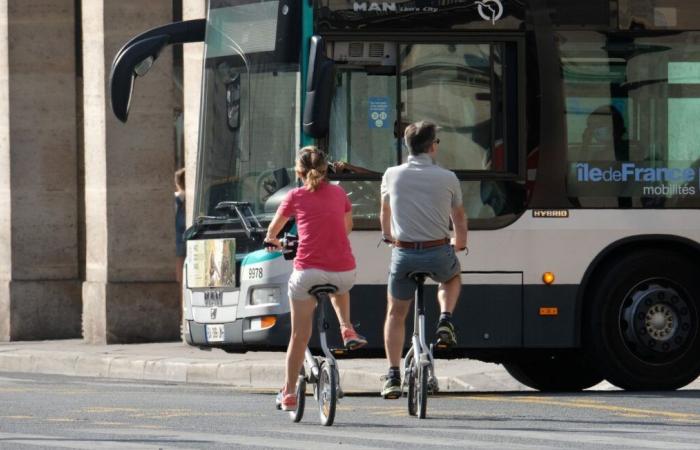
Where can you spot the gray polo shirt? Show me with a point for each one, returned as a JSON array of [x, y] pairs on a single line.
[[422, 195]]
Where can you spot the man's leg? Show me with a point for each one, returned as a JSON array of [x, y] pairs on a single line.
[[448, 294], [394, 336], [395, 329]]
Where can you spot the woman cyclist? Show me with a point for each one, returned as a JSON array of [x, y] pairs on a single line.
[[324, 219]]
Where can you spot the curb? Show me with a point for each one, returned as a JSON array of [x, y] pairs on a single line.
[[258, 375]]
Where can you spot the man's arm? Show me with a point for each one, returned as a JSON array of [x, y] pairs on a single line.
[[459, 220], [385, 219]]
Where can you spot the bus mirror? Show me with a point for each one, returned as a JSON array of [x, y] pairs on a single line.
[[132, 62], [137, 56], [319, 90]]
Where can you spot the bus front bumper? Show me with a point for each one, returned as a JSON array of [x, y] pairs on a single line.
[[243, 334]]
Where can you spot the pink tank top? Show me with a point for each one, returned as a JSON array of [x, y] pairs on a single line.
[[320, 218]]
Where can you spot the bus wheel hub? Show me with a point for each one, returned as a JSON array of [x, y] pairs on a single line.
[[655, 320]]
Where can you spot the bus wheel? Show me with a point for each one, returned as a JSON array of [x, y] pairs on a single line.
[[555, 373], [641, 322]]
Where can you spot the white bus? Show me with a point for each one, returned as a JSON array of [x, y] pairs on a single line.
[[572, 125]]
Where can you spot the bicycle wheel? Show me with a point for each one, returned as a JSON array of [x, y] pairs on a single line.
[[411, 378], [301, 399], [422, 390], [327, 394]]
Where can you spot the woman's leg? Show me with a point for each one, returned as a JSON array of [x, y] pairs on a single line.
[[341, 305], [302, 320]]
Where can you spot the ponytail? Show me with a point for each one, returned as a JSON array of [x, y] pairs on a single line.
[[311, 167]]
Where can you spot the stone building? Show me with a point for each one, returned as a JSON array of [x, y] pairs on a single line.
[[86, 202]]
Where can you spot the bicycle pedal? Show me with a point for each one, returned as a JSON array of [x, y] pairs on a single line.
[[339, 351], [440, 345]]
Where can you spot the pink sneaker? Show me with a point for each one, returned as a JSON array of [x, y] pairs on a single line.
[[351, 339], [285, 401]]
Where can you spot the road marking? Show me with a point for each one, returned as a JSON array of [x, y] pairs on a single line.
[[66, 442], [404, 437], [239, 439], [581, 436], [586, 405]]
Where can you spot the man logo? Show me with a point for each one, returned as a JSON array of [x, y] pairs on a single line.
[[213, 313], [491, 10], [375, 6]]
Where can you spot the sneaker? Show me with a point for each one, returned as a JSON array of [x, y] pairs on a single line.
[[392, 387], [285, 401], [445, 335], [352, 340]]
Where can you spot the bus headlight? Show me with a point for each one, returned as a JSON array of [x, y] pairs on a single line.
[[266, 295]]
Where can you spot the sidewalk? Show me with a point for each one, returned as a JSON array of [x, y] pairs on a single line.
[[176, 362]]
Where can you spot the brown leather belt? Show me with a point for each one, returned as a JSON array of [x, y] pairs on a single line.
[[421, 245]]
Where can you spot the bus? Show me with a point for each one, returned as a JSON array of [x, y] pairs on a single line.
[[572, 126]]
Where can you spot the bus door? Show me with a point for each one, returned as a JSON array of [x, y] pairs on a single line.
[[471, 90]]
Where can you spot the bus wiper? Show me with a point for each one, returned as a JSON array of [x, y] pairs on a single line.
[[251, 225], [238, 213]]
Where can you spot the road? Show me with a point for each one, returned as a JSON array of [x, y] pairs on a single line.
[[41, 411]]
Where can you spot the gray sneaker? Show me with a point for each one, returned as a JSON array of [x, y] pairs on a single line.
[[445, 336], [392, 387]]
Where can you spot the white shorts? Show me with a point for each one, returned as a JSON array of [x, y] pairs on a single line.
[[302, 281]]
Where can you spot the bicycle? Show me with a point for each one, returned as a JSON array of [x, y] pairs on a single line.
[[418, 365], [320, 371]]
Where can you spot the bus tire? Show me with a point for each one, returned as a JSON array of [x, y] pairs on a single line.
[[560, 372], [641, 321]]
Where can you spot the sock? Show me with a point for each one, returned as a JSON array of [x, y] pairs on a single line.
[[446, 316], [394, 372]]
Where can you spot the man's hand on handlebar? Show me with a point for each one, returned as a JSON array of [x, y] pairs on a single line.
[[462, 248]]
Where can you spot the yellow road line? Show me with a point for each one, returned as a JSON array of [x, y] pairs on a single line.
[[582, 404]]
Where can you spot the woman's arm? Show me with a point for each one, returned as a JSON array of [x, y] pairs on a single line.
[[348, 222], [278, 222]]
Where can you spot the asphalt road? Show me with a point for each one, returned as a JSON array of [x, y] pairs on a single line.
[[39, 411]]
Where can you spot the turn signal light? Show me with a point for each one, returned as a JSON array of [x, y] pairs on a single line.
[[548, 278], [267, 321], [549, 311]]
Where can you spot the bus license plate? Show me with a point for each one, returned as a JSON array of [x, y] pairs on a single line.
[[215, 333]]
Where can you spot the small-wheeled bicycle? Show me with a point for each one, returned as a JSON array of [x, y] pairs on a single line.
[[418, 365], [319, 371]]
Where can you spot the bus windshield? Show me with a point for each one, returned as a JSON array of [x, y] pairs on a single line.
[[248, 129]]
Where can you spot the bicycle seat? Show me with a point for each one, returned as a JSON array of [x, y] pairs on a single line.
[[419, 275], [323, 288]]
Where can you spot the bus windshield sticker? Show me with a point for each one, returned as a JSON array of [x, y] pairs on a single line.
[[378, 110]]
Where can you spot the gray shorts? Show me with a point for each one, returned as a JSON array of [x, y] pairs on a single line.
[[441, 262], [302, 281]]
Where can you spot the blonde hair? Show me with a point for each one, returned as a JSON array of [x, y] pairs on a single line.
[[311, 167]]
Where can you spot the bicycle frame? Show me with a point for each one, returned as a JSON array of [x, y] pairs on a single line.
[[322, 325], [418, 344]]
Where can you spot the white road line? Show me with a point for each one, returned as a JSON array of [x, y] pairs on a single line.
[[402, 435], [70, 442], [190, 438], [583, 436]]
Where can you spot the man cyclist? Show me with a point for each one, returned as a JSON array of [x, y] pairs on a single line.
[[418, 200]]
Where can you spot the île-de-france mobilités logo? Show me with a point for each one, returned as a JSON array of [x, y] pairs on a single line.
[[491, 10]]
